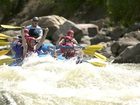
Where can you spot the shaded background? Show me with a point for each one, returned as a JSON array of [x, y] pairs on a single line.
[[124, 12]]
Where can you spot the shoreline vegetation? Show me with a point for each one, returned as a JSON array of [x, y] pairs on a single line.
[[124, 12]]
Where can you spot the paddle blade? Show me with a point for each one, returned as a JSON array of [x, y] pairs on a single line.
[[88, 52], [99, 64], [4, 39], [95, 54], [6, 60], [4, 43], [94, 47], [4, 36], [100, 56], [3, 52], [10, 27]]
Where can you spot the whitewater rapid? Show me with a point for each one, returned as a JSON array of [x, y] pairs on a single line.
[[46, 81]]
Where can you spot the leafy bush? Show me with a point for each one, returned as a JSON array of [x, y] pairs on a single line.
[[124, 12]]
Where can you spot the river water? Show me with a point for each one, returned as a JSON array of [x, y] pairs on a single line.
[[45, 81]]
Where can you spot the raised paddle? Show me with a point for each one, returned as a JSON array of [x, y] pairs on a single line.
[[93, 47], [6, 60], [99, 64], [95, 54], [4, 36], [10, 27], [3, 52], [13, 27], [91, 50], [4, 43], [96, 63]]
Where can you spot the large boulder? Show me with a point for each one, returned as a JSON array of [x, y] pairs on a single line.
[[89, 29], [100, 38], [116, 33], [129, 39], [48, 21], [85, 40], [67, 25], [134, 34], [130, 55]]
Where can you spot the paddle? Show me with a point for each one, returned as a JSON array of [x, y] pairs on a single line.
[[10, 27], [93, 47], [6, 60], [3, 40], [100, 56], [99, 64], [96, 63], [3, 52], [13, 27], [95, 54], [88, 49], [4, 43], [91, 50], [4, 36]]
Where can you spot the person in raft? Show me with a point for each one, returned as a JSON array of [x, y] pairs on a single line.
[[34, 29], [70, 33], [29, 43]]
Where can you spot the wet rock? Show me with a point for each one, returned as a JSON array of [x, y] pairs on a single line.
[[129, 55], [100, 38], [6, 99]]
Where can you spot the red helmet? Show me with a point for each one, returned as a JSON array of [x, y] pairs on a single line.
[[26, 30], [70, 33]]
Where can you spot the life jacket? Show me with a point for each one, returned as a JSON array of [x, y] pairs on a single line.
[[67, 47], [34, 33], [29, 41]]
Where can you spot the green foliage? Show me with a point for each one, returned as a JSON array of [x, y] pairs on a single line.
[[4, 4], [48, 2], [67, 7], [10, 8], [96, 2], [124, 12]]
